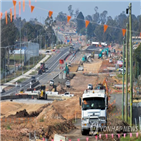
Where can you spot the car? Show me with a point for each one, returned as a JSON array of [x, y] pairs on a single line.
[[33, 79], [69, 64], [51, 82], [80, 68], [68, 83], [90, 86], [110, 60]]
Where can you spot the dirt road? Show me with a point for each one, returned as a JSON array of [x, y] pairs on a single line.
[[76, 134]]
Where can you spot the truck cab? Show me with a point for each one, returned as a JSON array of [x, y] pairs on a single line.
[[94, 105]]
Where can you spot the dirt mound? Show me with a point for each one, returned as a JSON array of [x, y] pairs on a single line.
[[22, 113]]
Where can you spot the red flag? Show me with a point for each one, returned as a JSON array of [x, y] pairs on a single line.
[[87, 23], [1, 15], [32, 8], [6, 17], [123, 31], [105, 27], [19, 8], [50, 13], [23, 5], [11, 14], [68, 18]]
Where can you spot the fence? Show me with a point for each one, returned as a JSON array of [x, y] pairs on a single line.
[[31, 50]]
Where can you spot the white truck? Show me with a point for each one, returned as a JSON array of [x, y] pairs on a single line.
[[93, 111]]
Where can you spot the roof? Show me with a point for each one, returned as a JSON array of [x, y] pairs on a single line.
[[94, 93]]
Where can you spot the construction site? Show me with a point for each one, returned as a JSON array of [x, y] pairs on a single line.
[[34, 120]]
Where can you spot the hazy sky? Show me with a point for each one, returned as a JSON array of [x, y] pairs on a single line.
[[40, 12]]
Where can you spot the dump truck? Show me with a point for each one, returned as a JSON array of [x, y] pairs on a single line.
[[94, 105], [42, 94]]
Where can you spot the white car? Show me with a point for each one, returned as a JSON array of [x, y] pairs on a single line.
[[110, 60], [51, 82], [80, 68], [90, 86]]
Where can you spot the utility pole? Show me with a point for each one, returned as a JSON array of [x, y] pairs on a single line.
[[123, 57], [131, 63], [126, 93], [21, 48]]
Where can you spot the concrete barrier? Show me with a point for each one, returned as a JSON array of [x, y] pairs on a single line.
[[59, 137]]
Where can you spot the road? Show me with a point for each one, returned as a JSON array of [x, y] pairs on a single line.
[[52, 64]]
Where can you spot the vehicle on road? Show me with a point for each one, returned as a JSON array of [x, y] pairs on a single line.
[[68, 83], [51, 82], [42, 94], [110, 60], [94, 104], [80, 68], [90, 86], [33, 79], [1, 90], [69, 64], [67, 94]]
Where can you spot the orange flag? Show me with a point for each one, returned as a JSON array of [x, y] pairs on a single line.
[[6, 17], [123, 31], [140, 33], [68, 18], [11, 14], [105, 27], [87, 23], [23, 5], [14, 3], [29, 3], [1, 15], [32, 8], [19, 8], [50, 13]]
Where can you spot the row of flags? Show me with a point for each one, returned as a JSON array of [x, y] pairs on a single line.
[[50, 14]]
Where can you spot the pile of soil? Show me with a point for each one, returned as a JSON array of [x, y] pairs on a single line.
[[22, 113]]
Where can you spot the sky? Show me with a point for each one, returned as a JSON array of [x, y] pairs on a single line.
[[40, 12]]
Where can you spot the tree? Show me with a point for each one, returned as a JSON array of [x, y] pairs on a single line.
[[49, 24], [89, 18], [70, 10], [80, 22], [61, 17]]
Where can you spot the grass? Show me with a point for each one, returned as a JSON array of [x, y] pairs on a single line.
[[33, 73], [21, 80], [17, 57], [8, 127], [42, 119], [130, 139]]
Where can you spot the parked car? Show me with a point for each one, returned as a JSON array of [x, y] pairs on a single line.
[[90, 86]]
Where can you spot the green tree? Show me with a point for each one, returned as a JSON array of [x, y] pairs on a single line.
[[80, 22]]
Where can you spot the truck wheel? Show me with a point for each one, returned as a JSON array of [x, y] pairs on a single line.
[[85, 132], [45, 96]]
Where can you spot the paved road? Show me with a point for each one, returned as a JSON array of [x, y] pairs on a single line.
[[52, 63]]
